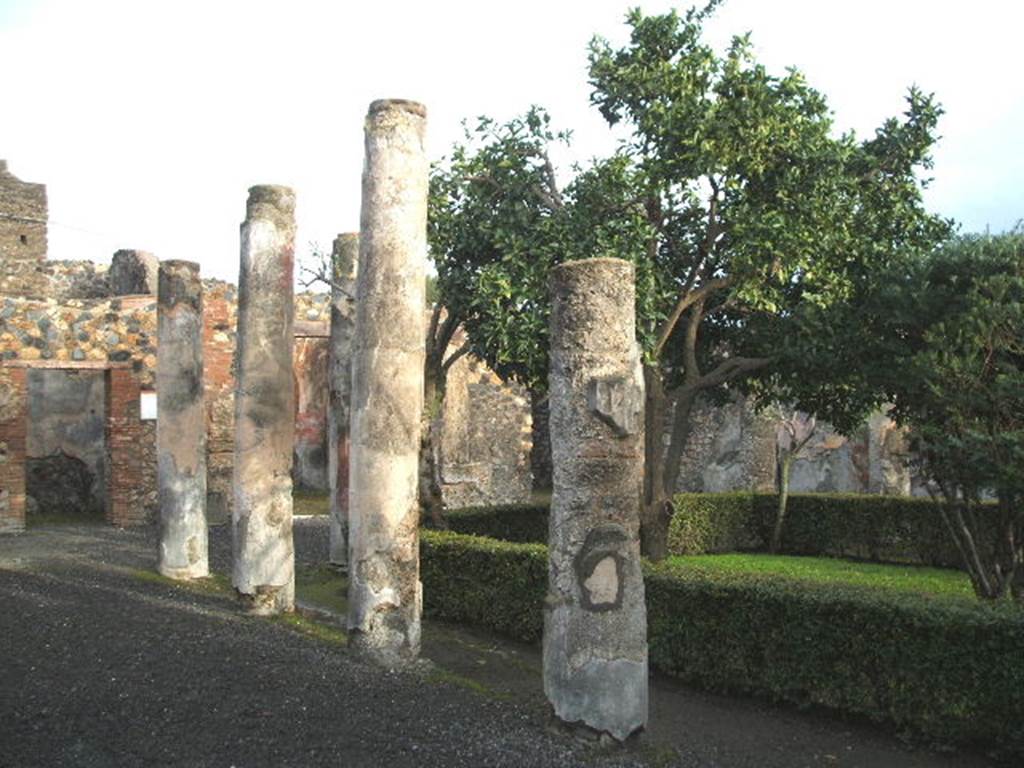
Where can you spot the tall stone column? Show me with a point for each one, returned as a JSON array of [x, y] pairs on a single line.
[[181, 422], [344, 261], [595, 622], [264, 556], [385, 594]]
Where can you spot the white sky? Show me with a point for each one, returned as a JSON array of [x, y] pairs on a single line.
[[149, 120]]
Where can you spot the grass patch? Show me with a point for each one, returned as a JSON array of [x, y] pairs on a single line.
[[822, 570], [323, 587], [314, 629], [311, 503]]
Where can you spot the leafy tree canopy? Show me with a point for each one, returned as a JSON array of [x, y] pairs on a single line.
[[746, 215]]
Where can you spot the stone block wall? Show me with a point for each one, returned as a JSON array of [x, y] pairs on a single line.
[[23, 219]]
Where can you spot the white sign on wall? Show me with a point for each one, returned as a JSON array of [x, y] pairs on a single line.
[[147, 405]]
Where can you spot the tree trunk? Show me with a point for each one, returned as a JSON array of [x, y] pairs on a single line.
[[681, 426], [540, 451], [431, 500], [654, 515], [780, 516]]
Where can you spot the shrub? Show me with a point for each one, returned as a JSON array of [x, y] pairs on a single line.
[[714, 522], [864, 526], [486, 582], [522, 523], [894, 529], [944, 669]]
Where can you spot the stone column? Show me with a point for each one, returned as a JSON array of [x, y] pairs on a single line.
[[181, 422], [595, 623], [385, 594], [264, 557], [344, 261]]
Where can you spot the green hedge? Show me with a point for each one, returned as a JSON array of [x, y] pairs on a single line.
[[706, 523], [870, 527], [486, 582], [943, 669], [522, 523]]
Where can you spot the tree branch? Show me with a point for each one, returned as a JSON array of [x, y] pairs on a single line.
[[685, 302], [454, 357], [730, 368]]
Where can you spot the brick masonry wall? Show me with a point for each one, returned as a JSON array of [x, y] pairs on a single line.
[[127, 496], [13, 386]]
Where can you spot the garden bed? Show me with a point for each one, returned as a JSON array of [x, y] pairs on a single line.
[[941, 666]]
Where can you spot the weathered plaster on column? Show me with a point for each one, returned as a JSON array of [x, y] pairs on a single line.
[[344, 264], [595, 623], [264, 556], [385, 594], [181, 422]]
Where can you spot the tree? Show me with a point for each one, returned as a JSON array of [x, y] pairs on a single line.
[[961, 392], [792, 433], [746, 219]]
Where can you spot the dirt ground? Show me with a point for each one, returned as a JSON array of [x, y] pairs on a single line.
[[107, 664]]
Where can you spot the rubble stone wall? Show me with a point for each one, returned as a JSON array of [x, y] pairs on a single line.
[[485, 438]]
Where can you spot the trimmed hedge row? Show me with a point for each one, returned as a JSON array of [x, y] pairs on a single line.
[[870, 527], [522, 523], [490, 583], [944, 669]]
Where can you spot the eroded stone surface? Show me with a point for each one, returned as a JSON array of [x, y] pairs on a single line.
[[133, 272], [595, 622], [344, 263], [181, 423], [385, 595], [264, 557]]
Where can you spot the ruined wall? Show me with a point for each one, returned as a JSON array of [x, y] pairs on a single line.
[[23, 219], [65, 449], [12, 450], [220, 310], [309, 468], [485, 446], [485, 438], [115, 330], [732, 448]]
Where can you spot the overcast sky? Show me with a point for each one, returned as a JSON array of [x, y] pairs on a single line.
[[148, 120]]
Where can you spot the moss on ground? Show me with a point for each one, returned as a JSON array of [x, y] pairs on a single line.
[[214, 584], [323, 587], [440, 675], [325, 633]]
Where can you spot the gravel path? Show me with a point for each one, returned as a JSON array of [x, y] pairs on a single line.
[[105, 664]]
